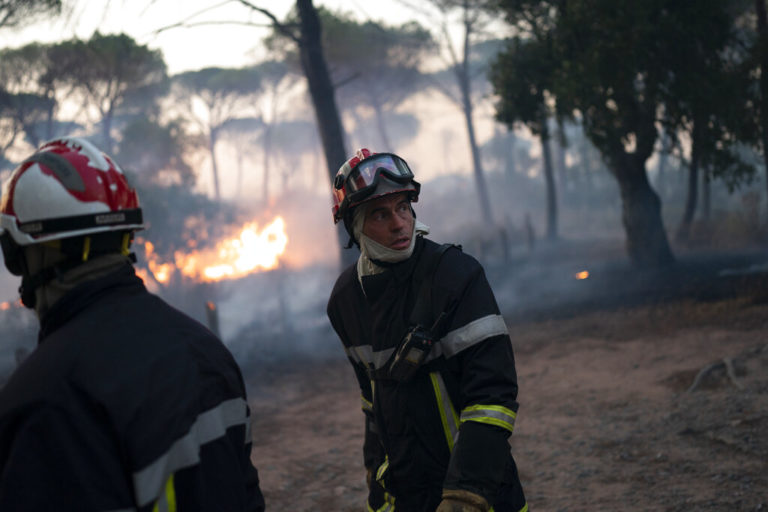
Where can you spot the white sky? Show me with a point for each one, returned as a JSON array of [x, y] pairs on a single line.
[[225, 44], [235, 45]]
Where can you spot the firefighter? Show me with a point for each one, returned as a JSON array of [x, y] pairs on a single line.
[[126, 403], [430, 350]]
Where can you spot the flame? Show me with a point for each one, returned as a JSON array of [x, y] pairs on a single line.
[[5, 306], [247, 252], [160, 271], [581, 275]]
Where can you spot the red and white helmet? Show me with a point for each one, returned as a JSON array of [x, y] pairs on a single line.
[[68, 188], [368, 175]]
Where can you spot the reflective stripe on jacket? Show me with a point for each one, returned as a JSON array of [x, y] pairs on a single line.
[[126, 404], [449, 425]]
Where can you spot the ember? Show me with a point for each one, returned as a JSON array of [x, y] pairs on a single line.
[[5, 306], [581, 275]]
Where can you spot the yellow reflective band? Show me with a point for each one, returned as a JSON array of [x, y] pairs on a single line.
[[86, 248], [490, 414], [497, 408], [167, 501], [367, 406], [386, 507], [124, 248], [525, 507], [390, 506], [382, 469], [450, 423]]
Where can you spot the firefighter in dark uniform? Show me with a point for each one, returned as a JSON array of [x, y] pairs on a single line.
[[430, 350], [126, 403]]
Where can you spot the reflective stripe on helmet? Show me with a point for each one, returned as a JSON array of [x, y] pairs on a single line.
[[210, 425]]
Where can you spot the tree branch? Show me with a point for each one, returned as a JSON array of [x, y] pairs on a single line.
[[183, 24], [280, 26]]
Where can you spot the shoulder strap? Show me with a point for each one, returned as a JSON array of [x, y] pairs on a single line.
[[422, 309]]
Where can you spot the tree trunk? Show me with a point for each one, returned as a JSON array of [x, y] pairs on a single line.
[[562, 167], [214, 166], [647, 243], [51, 116], [239, 158], [762, 30], [267, 149], [661, 168], [466, 104], [381, 126], [706, 195], [510, 162], [684, 231], [549, 177], [322, 92], [482, 189], [106, 127]]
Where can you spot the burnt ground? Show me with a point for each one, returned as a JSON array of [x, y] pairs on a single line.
[[638, 391]]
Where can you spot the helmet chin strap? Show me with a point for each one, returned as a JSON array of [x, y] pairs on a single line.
[[30, 283], [48, 263]]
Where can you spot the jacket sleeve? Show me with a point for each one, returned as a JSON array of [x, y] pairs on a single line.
[[373, 451], [62, 461], [478, 341]]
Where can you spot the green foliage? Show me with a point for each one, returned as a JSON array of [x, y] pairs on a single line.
[[105, 67], [107, 70], [155, 153], [218, 83], [524, 73], [625, 68], [371, 62]]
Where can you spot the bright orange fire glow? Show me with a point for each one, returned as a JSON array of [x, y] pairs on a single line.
[[5, 306], [581, 275], [161, 271], [249, 251]]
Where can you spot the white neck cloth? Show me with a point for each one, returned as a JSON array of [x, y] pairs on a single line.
[[372, 250]]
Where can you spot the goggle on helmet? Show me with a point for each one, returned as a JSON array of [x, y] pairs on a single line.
[[369, 175]]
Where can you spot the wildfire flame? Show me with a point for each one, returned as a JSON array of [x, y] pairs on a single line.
[[5, 306], [581, 275], [249, 251]]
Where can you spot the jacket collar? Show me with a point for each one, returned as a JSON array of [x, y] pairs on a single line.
[[82, 296]]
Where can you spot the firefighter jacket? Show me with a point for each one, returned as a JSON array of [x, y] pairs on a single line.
[[125, 405], [448, 426]]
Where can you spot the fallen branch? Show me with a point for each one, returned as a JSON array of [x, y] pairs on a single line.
[[727, 363], [729, 370], [703, 373]]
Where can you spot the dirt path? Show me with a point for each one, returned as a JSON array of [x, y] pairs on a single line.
[[605, 423]]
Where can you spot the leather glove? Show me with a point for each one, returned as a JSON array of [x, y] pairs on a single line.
[[459, 500]]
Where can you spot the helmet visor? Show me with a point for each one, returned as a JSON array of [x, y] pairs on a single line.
[[362, 179]]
